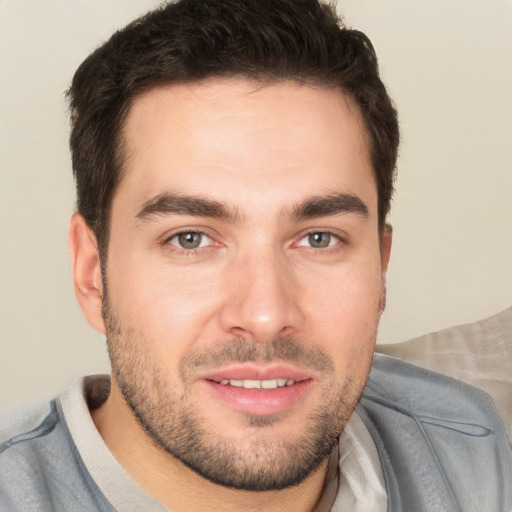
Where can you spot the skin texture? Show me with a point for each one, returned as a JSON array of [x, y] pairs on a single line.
[[244, 244]]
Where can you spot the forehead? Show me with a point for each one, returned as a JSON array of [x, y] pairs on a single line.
[[240, 138]]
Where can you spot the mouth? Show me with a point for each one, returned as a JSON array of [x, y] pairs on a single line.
[[257, 384], [258, 391]]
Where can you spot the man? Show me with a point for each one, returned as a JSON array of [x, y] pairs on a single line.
[[234, 162]]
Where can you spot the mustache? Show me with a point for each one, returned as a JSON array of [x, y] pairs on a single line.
[[241, 350]]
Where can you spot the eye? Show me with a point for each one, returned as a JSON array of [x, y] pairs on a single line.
[[319, 240], [190, 240]]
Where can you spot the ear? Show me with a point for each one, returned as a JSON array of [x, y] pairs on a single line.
[[385, 248], [85, 261], [385, 252]]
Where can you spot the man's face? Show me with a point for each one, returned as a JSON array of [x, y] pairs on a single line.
[[244, 253]]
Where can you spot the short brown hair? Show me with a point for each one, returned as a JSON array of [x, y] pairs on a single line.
[[192, 40]]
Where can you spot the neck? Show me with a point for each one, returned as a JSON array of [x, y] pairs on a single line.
[[176, 486]]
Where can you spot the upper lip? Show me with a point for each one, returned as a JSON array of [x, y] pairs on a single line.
[[255, 372]]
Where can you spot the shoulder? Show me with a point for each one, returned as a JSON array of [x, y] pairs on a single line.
[[440, 440], [21, 433], [40, 468], [26, 451], [420, 391], [478, 353], [407, 392], [23, 420]]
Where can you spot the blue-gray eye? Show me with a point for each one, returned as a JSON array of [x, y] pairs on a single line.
[[190, 240], [319, 240]]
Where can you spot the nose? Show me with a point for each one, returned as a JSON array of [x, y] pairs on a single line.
[[262, 298]]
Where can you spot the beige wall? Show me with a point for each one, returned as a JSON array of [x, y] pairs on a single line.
[[448, 64]]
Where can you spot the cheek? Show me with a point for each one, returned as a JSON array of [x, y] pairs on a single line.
[[344, 313], [163, 302], [346, 295]]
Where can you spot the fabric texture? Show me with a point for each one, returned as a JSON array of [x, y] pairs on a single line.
[[479, 353], [440, 444], [41, 471], [362, 485]]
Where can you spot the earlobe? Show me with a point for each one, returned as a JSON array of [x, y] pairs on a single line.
[[85, 261]]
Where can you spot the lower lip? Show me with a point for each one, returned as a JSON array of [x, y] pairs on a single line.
[[260, 401]]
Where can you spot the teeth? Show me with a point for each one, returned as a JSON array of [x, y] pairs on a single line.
[[253, 384], [269, 384], [258, 384]]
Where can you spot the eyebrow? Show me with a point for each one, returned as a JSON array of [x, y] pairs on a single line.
[[165, 204], [313, 207], [333, 204]]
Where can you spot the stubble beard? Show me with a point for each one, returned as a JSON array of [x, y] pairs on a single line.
[[257, 461]]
